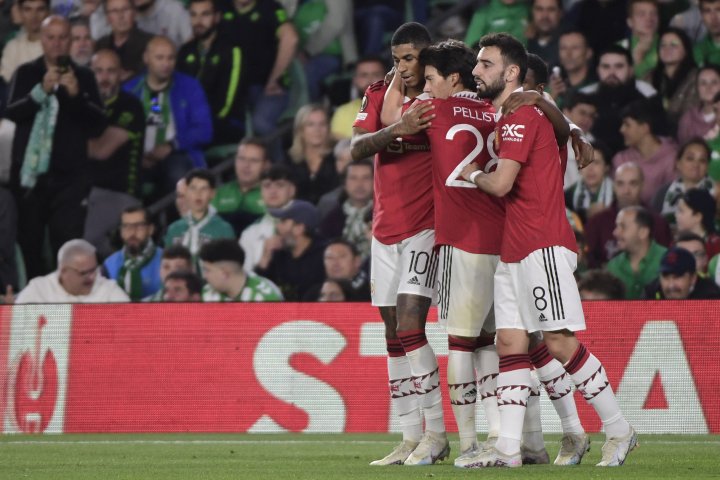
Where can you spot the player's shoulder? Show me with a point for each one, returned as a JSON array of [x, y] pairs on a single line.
[[376, 88]]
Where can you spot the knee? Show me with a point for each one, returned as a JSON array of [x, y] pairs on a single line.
[[561, 345]]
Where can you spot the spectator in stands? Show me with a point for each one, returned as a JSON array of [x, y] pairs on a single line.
[[627, 185], [221, 70], [581, 109], [269, 41], [707, 50], [604, 22], [615, 89], [75, 281], [175, 258], [81, 43], [575, 60], [643, 19], [343, 263], [181, 204], [638, 262], [312, 163], [498, 16], [694, 244], [346, 220], [691, 167], [201, 224], [655, 155], [167, 18], [125, 38], [675, 76], [293, 258], [182, 286], [594, 191], [545, 19], [239, 202], [700, 120], [335, 291], [227, 281], [327, 40], [600, 285], [136, 267], [26, 46], [375, 19], [679, 280], [277, 190], [119, 157], [178, 121], [696, 210], [368, 70], [713, 140], [56, 108]]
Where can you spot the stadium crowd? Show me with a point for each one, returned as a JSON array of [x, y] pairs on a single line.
[[109, 107]]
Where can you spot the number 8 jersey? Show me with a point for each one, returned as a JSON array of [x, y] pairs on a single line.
[[463, 132]]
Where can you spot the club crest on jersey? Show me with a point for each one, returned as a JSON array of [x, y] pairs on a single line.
[[513, 133]]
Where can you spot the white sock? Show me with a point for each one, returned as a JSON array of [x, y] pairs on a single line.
[[426, 376], [402, 395], [486, 364], [513, 390], [462, 388], [532, 427]]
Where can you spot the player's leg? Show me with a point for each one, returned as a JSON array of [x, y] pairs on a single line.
[[532, 448], [403, 399], [487, 366]]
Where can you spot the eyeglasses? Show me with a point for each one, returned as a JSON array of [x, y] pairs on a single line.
[[83, 273]]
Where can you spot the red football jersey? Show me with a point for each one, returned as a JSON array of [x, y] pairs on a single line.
[[535, 207], [463, 132], [403, 203]]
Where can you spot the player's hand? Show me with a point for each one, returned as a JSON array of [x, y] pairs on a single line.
[[415, 119], [389, 76], [582, 148], [519, 99], [468, 170]]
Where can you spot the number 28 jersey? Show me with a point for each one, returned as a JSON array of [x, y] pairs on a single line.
[[463, 132]]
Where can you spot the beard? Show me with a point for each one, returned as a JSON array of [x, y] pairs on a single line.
[[491, 91], [206, 34]]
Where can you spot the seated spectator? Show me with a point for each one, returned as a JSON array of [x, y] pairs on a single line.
[[679, 280], [327, 40], [368, 70], [175, 258], [707, 50], [26, 46], [691, 167], [655, 155], [713, 140], [220, 68], [178, 121], [576, 72], [182, 286], [627, 186], [335, 291], [695, 213], [201, 224], [694, 244], [312, 163], [643, 20], [498, 16], [293, 258], [544, 29], [594, 191], [167, 18], [675, 76], [227, 281], [600, 285], [638, 262], [580, 109], [239, 202], [698, 121], [277, 190], [343, 262], [346, 220], [81, 43], [136, 267], [690, 21], [125, 38], [75, 281]]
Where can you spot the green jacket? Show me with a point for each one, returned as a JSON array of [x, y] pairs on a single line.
[[230, 199], [498, 17], [635, 282], [257, 289]]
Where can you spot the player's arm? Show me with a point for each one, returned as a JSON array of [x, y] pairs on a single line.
[[533, 98], [497, 183], [393, 101], [365, 144], [581, 146]]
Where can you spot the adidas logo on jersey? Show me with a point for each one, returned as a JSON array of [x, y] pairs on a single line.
[[543, 318], [414, 281]]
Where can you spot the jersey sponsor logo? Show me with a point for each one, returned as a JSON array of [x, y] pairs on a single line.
[[513, 132], [473, 114]]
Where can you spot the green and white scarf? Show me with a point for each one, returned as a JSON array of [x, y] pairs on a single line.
[[676, 190], [39, 148], [354, 229], [191, 238], [129, 277], [583, 198]]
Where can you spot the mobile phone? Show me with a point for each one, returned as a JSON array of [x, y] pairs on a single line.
[[63, 63]]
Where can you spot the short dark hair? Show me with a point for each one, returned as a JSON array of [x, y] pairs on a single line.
[[694, 141], [135, 209], [512, 51], [177, 251], [411, 33], [255, 141], [342, 241], [80, 22], [192, 281], [451, 56], [559, 3], [202, 174], [604, 150], [579, 98], [575, 31], [215, 6], [371, 59], [617, 50], [701, 201], [643, 111], [687, 236], [278, 172], [643, 217], [603, 282], [539, 68], [708, 66], [46, 2], [222, 250], [632, 3]]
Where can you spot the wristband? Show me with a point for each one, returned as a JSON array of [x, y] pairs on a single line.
[[474, 175]]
